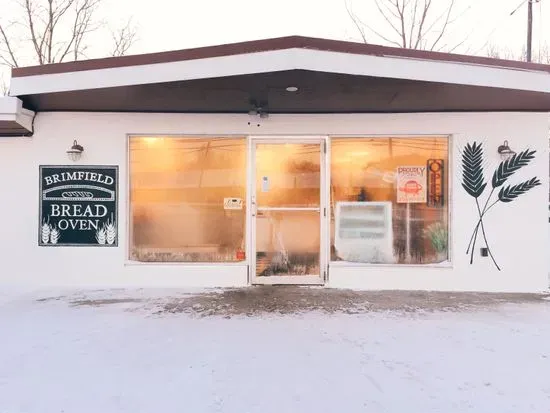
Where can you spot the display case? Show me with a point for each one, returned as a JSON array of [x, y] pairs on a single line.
[[363, 232]]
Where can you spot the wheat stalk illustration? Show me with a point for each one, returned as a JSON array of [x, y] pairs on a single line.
[[474, 184], [100, 235], [472, 170], [55, 234], [504, 171], [511, 192], [45, 232], [508, 167], [110, 231]]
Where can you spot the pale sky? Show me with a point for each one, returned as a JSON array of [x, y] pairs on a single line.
[[187, 23], [176, 24]]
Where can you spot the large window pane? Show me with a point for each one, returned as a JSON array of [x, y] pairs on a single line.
[[389, 200], [187, 199]]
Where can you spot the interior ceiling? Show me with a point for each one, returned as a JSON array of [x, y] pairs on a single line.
[[318, 93]]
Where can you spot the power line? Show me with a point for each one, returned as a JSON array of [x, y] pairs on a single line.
[[498, 24], [517, 8]]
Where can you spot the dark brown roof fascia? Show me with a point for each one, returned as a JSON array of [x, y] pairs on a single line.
[[255, 46]]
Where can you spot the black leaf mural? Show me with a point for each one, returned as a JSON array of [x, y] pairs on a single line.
[[511, 192], [508, 167], [474, 184], [472, 170]]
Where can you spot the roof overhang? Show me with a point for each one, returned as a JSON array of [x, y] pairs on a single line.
[[362, 78], [14, 119]]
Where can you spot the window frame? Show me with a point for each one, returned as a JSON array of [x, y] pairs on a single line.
[[449, 264], [129, 221]]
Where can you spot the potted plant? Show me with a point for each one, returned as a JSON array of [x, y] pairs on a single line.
[[439, 237]]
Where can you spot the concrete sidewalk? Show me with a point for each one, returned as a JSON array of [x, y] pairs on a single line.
[[293, 299]]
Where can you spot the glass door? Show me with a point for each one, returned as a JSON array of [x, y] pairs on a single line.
[[287, 211]]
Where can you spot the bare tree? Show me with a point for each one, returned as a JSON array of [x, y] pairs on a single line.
[[411, 24], [4, 88], [543, 54], [539, 56], [123, 39], [54, 31], [496, 52]]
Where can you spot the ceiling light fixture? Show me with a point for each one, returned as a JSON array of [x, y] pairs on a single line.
[[292, 89]]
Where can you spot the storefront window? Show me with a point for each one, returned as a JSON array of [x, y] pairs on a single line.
[[187, 199], [389, 200]]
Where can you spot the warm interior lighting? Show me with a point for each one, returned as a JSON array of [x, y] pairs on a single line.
[[364, 170], [178, 189], [359, 153], [150, 141]]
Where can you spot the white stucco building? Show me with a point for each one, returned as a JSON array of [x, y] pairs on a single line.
[[291, 160]]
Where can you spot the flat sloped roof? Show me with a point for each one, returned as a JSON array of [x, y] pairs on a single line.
[[331, 77], [265, 45]]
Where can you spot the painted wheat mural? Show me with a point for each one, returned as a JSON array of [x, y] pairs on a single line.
[[474, 183]]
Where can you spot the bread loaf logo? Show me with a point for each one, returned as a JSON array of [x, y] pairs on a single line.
[[78, 205]]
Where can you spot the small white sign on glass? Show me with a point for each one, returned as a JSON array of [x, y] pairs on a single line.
[[265, 184], [232, 203]]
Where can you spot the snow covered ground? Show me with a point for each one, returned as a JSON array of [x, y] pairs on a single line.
[[126, 357]]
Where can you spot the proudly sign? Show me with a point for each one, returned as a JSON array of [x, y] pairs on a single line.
[[78, 206], [411, 184], [435, 182]]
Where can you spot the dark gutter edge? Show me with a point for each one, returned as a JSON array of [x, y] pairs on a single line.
[[14, 135], [272, 44], [302, 113]]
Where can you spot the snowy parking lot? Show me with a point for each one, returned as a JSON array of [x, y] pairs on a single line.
[[140, 351]]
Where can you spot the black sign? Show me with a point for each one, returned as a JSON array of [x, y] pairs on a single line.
[[436, 183], [78, 206]]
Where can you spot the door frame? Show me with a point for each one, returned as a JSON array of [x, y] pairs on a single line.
[[324, 212]]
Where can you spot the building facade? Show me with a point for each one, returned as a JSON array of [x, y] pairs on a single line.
[[286, 161]]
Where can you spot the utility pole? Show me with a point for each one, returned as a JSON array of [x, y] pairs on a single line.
[[529, 29]]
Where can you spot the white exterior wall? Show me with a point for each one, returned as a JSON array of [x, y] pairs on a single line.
[[517, 231]]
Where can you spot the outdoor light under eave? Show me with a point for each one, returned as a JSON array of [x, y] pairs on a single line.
[[505, 152], [75, 152], [258, 109]]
